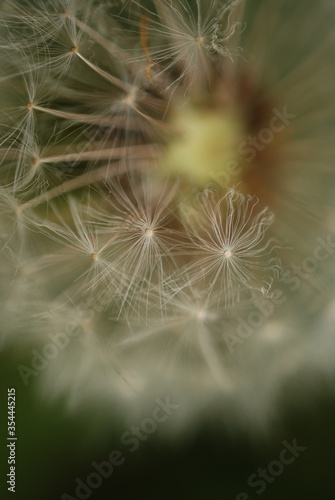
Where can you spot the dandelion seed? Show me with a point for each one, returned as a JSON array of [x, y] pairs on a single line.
[[16, 224], [145, 239], [82, 249], [192, 330], [229, 237], [188, 38]]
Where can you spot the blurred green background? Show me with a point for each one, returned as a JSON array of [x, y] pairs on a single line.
[[54, 447]]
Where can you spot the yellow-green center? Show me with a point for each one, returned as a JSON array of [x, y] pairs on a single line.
[[205, 147]]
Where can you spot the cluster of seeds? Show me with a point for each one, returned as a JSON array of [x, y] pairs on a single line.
[[119, 121]]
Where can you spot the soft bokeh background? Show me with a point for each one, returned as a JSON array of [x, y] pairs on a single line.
[[55, 445], [53, 448]]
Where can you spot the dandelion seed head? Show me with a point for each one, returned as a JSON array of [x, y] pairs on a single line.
[[149, 232], [36, 162], [66, 13], [131, 97], [199, 40], [103, 105], [200, 314], [18, 210]]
